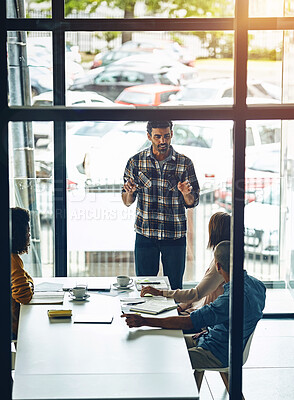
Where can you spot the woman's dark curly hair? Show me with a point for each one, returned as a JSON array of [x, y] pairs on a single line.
[[219, 228], [20, 218]]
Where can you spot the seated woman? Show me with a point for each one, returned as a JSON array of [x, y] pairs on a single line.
[[211, 285], [22, 285]]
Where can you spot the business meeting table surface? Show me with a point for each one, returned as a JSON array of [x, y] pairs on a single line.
[[60, 359]]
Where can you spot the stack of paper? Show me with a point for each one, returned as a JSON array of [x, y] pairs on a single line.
[[47, 298]]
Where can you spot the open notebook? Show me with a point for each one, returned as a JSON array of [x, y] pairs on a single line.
[[155, 306]]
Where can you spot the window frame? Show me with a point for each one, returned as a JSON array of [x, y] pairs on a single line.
[[238, 112]]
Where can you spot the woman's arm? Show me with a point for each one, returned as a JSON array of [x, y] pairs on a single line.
[[209, 283], [22, 286]]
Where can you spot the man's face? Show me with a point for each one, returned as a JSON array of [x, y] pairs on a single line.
[[161, 140]]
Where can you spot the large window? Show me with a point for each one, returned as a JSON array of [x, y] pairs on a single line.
[[81, 163], [221, 71]]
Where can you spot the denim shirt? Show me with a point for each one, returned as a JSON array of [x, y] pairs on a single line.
[[216, 317]]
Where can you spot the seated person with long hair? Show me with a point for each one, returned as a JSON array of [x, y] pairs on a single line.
[[22, 285], [211, 285]]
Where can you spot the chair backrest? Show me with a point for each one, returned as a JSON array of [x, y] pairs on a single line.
[[247, 347]]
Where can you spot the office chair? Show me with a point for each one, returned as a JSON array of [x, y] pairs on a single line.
[[224, 372]]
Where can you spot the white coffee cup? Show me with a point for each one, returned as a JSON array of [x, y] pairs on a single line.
[[123, 280], [79, 291]]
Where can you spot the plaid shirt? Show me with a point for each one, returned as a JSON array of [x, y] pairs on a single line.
[[160, 212]]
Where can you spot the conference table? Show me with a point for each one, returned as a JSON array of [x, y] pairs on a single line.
[[61, 359]]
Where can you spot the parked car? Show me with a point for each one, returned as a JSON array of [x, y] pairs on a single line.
[[261, 222], [263, 172], [73, 99], [162, 47], [181, 72], [220, 91], [146, 95], [108, 57], [40, 62], [105, 160], [110, 81], [86, 137], [43, 131]]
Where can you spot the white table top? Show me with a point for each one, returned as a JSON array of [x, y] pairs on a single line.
[[63, 360]]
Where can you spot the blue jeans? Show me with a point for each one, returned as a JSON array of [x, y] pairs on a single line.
[[173, 258]]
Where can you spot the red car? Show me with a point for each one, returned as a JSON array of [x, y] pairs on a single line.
[[147, 95]]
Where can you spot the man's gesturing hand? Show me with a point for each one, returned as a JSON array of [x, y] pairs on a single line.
[[130, 186], [185, 187]]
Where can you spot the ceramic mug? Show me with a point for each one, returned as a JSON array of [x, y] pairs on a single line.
[[123, 280], [79, 291]]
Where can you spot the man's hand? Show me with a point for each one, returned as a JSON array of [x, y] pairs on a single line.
[[134, 320], [180, 322], [185, 187], [128, 195], [150, 290], [130, 186]]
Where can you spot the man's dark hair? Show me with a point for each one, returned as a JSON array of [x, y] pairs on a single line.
[[20, 218], [158, 124]]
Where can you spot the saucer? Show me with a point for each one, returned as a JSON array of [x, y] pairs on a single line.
[[116, 285], [79, 298]]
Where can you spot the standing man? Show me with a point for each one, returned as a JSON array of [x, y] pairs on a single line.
[[165, 183]]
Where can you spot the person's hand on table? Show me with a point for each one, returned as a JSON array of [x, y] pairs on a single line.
[[150, 290], [133, 320]]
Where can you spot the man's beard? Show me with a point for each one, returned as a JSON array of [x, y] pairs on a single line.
[[163, 148]]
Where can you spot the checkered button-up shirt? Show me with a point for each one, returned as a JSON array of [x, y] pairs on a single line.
[[160, 212]]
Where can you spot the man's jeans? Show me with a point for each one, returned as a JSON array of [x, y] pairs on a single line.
[[173, 257]]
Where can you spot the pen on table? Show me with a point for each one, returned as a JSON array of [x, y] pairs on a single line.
[[133, 304], [149, 283]]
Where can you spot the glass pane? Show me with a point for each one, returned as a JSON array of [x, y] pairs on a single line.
[[97, 153], [155, 9], [154, 68], [288, 87], [29, 9], [29, 66], [265, 49], [31, 187], [289, 8], [262, 199], [287, 211], [266, 8]]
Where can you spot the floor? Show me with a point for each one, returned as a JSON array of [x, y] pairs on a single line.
[[269, 371]]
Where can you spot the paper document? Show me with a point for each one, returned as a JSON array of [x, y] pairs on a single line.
[[47, 298], [155, 306], [48, 287], [158, 283]]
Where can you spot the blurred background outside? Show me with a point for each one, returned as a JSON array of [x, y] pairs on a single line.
[[125, 69]]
